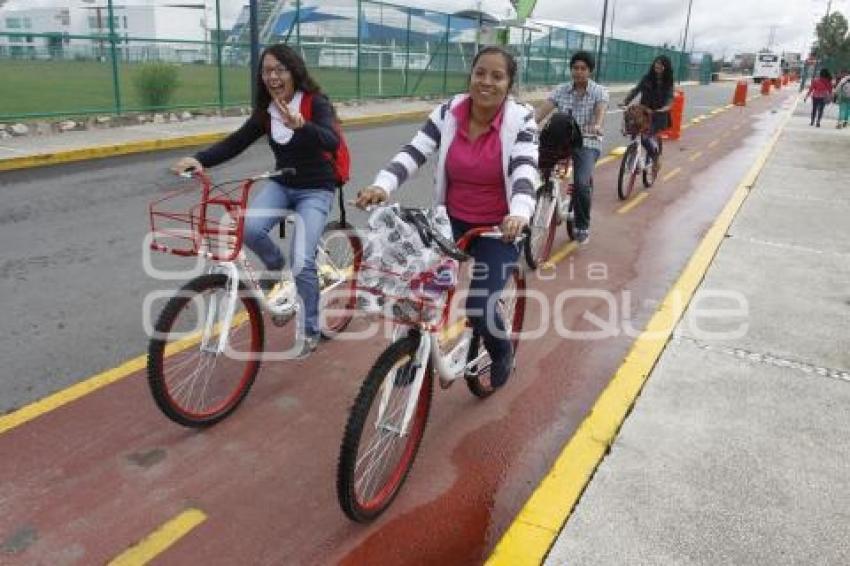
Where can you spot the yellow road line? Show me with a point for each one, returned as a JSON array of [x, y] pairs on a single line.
[[538, 524], [717, 111], [685, 126], [672, 174], [605, 160], [559, 255], [695, 156], [714, 143], [142, 146], [158, 541], [633, 203], [98, 381], [618, 151]]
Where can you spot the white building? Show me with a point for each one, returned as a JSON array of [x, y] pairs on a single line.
[[79, 29]]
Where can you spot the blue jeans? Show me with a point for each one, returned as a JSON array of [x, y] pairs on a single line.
[[311, 208], [584, 160], [495, 260]]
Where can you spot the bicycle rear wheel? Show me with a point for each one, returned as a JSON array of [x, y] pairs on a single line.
[[628, 173], [337, 262], [511, 308], [375, 457], [570, 221], [195, 386], [538, 245]]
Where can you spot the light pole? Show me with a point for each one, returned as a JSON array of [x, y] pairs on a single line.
[[685, 38], [601, 43]]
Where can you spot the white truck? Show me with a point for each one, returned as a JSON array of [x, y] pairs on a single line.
[[767, 66]]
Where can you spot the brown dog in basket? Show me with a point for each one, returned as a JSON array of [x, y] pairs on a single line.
[[636, 120]]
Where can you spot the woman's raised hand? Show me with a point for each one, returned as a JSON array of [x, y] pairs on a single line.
[[292, 120]]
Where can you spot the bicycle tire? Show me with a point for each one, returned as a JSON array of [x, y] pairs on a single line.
[[626, 178], [649, 175], [479, 384], [538, 245], [340, 239], [398, 356], [165, 367], [570, 222]]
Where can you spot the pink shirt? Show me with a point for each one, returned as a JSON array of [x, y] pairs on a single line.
[[820, 88], [476, 185]]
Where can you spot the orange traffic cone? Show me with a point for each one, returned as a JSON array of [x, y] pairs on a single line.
[[740, 98]]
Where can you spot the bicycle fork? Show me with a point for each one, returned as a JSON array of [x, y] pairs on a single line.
[[215, 307]]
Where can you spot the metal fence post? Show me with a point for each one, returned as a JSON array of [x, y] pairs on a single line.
[[548, 57], [359, 40], [407, 54], [218, 50], [254, 24], [113, 49], [446, 58], [298, 23]]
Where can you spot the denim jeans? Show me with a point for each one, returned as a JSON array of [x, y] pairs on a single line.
[[818, 104], [584, 160], [494, 260], [311, 208]]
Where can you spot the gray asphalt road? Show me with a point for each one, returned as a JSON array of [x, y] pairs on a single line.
[[72, 282]]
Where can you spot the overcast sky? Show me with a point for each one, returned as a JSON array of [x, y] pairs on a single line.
[[719, 26]]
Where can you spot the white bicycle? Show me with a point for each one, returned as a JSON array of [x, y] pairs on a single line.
[[207, 343]]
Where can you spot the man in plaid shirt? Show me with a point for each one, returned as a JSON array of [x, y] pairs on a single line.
[[587, 101]]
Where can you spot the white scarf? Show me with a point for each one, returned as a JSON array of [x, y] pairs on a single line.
[[280, 133]]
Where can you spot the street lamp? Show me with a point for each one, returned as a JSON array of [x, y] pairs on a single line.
[[685, 38], [601, 43]]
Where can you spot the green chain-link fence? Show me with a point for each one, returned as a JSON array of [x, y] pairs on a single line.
[[88, 61]]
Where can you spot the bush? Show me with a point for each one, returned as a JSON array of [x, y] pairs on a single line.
[[156, 82]]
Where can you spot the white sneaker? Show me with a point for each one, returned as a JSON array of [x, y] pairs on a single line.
[[283, 298]]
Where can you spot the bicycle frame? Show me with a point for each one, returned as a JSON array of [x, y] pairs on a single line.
[[450, 366]]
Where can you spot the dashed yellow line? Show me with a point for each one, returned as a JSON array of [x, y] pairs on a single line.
[[672, 174], [158, 541], [618, 151], [695, 156], [714, 143], [633, 203]]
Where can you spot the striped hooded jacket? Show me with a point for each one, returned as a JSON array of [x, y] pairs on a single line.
[[519, 154]]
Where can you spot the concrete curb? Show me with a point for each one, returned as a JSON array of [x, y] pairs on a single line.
[[159, 144], [537, 526]]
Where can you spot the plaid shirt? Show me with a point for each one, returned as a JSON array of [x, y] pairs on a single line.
[[567, 99]]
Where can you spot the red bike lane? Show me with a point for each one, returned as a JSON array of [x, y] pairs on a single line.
[[82, 483]]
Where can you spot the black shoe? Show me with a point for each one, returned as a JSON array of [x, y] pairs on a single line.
[[500, 369]]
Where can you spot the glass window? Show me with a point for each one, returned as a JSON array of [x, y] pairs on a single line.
[[27, 23], [13, 23]]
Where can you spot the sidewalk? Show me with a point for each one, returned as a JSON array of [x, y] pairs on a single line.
[[737, 450], [49, 149]]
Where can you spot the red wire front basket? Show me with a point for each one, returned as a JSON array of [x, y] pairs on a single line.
[[410, 304], [198, 218]]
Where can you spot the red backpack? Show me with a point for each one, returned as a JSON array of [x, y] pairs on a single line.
[[340, 158]]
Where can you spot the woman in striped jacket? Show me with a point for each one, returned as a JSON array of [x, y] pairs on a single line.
[[486, 175]]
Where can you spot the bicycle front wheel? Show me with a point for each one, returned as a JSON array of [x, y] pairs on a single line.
[[376, 455], [337, 260], [511, 308], [650, 173], [192, 383], [538, 245], [628, 173]]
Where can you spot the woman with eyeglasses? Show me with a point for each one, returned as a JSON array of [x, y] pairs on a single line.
[[297, 143]]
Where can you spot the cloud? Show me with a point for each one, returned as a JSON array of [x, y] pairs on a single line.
[[719, 26]]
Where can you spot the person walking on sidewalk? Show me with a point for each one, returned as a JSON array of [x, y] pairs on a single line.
[[821, 92], [656, 93], [587, 101], [486, 175], [282, 82], [842, 96]]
